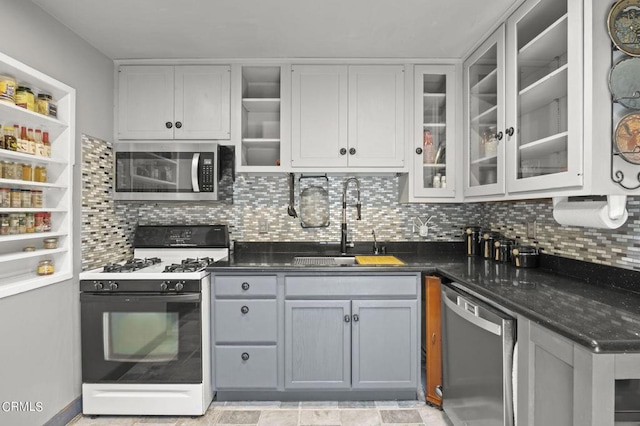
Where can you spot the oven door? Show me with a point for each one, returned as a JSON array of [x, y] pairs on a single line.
[[141, 338]]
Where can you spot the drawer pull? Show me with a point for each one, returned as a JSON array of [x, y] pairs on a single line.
[[245, 286], [433, 338], [245, 356], [244, 309]]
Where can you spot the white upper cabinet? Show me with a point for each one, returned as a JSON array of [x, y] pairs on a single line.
[[174, 102], [348, 116], [521, 137], [319, 116], [376, 116], [544, 77], [484, 118], [433, 150]]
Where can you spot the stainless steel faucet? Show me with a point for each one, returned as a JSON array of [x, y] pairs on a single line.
[[343, 242]]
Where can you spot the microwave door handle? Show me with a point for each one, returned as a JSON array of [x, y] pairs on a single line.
[[195, 185]]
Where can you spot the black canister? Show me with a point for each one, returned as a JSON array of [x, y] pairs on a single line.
[[502, 249], [525, 256], [487, 244], [472, 239]]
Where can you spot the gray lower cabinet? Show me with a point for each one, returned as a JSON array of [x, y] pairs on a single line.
[[245, 332], [546, 376], [562, 383], [359, 344], [317, 344], [384, 343]]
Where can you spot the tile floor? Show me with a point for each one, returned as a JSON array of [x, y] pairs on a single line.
[[275, 413]]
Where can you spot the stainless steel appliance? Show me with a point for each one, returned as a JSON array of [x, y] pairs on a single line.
[[477, 347], [178, 171], [145, 325]]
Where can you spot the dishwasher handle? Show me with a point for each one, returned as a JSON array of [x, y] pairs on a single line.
[[472, 312]]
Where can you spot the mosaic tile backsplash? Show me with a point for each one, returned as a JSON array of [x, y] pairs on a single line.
[[259, 213]]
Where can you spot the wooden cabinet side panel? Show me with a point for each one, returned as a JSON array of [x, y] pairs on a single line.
[[433, 339]]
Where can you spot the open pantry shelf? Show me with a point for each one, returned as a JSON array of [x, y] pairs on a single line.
[[18, 268]]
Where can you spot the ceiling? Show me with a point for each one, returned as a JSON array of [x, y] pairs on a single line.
[[178, 29]]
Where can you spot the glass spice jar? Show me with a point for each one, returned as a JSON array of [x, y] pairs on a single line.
[[50, 243], [46, 222], [5, 198], [16, 198], [10, 138], [39, 222], [36, 198], [45, 267], [22, 223], [40, 174], [27, 172], [25, 203], [30, 223], [4, 224], [13, 223], [46, 144], [25, 98], [46, 105]]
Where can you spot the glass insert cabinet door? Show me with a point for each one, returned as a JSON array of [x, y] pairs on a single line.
[[484, 117], [434, 131], [543, 79]]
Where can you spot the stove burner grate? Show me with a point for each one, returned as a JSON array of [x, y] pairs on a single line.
[[189, 265], [131, 265]]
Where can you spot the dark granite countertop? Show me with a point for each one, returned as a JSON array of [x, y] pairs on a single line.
[[595, 306]]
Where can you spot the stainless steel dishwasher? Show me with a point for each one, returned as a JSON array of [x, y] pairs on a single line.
[[478, 343]]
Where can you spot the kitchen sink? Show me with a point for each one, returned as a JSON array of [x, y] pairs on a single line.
[[324, 260]]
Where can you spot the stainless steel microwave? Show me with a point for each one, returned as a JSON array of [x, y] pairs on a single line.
[[166, 172]]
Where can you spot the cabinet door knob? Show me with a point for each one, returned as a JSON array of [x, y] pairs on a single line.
[[418, 150], [343, 151], [178, 124], [356, 318], [510, 131], [245, 286], [352, 151], [347, 318], [499, 136], [244, 309], [168, 124], [245, 356]]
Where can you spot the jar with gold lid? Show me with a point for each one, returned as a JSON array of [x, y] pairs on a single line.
[[50, 243], [45, 267], [25, 98], [40, 174]]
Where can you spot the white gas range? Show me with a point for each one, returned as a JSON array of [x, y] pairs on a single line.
[[145, 324]]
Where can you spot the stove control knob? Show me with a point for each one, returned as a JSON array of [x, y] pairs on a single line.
[[179, 286], [98, 285], [113, 285], [164, 285]]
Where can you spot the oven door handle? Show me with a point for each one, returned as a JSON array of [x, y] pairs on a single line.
[[195, 185], [137, 298]]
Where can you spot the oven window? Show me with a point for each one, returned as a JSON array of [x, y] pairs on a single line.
[[141, 336]]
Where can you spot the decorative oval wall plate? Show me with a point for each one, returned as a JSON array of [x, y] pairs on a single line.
[[623, 25], [624, 83], [627, 137]]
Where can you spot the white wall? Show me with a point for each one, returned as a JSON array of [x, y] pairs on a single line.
[[39, 332]]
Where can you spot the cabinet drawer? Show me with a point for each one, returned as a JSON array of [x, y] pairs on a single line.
[[259, 370], [245, 285], [245, 320], [405, 286]]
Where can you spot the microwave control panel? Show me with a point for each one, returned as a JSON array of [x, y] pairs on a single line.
[[207, 174]]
